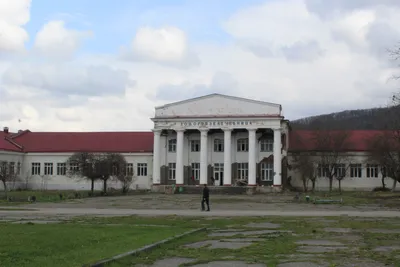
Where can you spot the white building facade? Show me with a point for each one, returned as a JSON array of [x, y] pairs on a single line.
[[216, 139], [219, 140]]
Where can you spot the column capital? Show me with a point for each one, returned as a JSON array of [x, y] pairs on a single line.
[[227, 129], [179, 129], [251, 129], [277, 129], [156, 130], [204, 130]]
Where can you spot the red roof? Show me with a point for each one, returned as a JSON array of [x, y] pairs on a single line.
[[141, 142], [356, 140], [6, 145], [118, 142]]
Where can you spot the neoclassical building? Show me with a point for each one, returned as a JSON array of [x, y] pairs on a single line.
[[215, 139], [219, 140]]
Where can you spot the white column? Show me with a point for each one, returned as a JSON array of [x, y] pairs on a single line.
[[252, 156], [227, 157], [277, 157], [203, 156], [179, 157], [156, 156]]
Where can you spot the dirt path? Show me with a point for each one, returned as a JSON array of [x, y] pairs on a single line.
[[216, 213], [218, 202]]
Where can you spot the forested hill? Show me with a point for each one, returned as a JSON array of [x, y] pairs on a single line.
[[361, 119]]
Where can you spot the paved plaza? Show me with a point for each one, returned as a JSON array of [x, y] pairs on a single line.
[[354, 235]]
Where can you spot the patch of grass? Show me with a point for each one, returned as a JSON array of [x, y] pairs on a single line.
[[360, 197], [72, 244], [22, 209], [47, 195]]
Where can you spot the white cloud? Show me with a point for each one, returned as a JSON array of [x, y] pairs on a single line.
[[167, 45], [69, 79], [68, 114], [14, 14], [281, 51], [54, 40]]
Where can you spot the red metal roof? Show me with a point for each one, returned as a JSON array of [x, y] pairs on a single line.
[[6, 145], [356, 140], [122, 142], [141, 142]]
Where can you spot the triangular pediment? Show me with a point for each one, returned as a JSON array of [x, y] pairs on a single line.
[[218, 105]]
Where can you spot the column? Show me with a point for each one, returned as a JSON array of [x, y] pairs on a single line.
[[252, 157], [156, 156], [203, 157], [227, 157], [179, 157], [277, 157]]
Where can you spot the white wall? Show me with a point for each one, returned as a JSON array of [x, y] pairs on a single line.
[[59, 182], [348, 183]]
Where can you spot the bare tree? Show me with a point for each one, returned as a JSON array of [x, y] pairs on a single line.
[[395, 55], [84, 165], [126, 181], [96, 166], [303, 162], [113, 165], [331, 147], [385, 151], [8, 174]]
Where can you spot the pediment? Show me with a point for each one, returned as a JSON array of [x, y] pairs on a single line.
[[217, 105]]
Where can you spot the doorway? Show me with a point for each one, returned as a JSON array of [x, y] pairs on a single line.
[[218, 174]]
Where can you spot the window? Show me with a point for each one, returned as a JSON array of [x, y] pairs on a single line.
[[172, 145], [243, 170], [171, 171], [195, 145], [114, 169], [243, 145], [340, 170], [12, 168], [267, 171], [323, 170], [142, 169], [3, 166], [35, 168], [355, 171], [218, 145], [266, 145], [18, 168], [372, 171], [129, 169], [196, 171], [74, 167], [61, 168], [48, 168]]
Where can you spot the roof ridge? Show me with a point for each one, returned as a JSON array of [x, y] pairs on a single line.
[[20, 133], [13, 143]]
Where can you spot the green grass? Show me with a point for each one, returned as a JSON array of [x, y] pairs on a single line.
[[72, 244], [354, 198], [87, 239]]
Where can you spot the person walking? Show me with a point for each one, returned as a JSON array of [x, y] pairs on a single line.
[[206, 198]]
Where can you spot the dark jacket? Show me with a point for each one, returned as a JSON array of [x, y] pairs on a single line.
[[206, 192]]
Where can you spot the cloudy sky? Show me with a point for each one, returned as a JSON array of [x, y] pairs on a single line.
[[73, 65]]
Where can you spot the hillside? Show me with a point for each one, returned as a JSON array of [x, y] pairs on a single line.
[[361, 119]]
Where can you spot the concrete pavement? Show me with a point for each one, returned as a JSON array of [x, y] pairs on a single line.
[[195, 213]]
